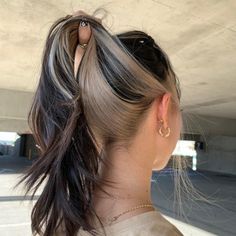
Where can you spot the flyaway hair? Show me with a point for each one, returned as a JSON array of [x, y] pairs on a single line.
[[74, 119]]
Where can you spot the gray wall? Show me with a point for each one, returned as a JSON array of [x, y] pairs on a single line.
[[208, 125], [14, 107], [219, 156], [219, 137], [218, 133]]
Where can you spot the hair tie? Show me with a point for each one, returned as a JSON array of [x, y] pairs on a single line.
[[84, 33]]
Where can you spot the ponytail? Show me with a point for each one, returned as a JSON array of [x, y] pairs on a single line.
[[68, 158]]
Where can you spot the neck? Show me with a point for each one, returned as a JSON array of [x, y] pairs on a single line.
[[131, 186]]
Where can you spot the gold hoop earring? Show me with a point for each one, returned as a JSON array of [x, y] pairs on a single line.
[[166, 132]]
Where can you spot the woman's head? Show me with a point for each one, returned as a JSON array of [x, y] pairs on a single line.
[[124, 87], [132, 77]]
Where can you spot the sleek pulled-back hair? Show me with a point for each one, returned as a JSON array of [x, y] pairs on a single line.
[[74, 119]]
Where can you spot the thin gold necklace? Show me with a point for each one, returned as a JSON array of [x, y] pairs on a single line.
[[114, 218]]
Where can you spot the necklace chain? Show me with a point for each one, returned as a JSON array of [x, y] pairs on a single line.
[[114, 218]]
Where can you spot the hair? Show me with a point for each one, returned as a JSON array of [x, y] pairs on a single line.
[[74, 119]]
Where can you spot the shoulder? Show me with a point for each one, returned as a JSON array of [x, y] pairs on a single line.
[[161, 226], [163, 230], [145, 224], [151, 224]]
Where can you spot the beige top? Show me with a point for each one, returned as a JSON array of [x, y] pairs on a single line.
[[145, 224]]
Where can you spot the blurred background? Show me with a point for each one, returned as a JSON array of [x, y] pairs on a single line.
[[200, 39]]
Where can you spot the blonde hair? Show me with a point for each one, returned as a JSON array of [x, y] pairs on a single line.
[[71, 116]]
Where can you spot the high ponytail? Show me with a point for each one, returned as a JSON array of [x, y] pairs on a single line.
[[73, 120], [68, 158]]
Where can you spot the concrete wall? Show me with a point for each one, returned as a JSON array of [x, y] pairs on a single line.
[[14, 106], [219, 134], [208, 125], [219, 137], [219, 156]]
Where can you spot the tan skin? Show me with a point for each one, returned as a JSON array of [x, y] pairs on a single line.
[[132, 168]]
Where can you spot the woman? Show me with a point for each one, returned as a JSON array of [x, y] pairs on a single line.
[[105, 114]]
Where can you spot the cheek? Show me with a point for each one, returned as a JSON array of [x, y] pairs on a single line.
[[175, 132], [180, 123], [177, 126]]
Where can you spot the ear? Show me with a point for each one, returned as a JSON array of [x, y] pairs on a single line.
[[163, 108]]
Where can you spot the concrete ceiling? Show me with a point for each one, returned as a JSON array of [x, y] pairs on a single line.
[[199, 36]]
